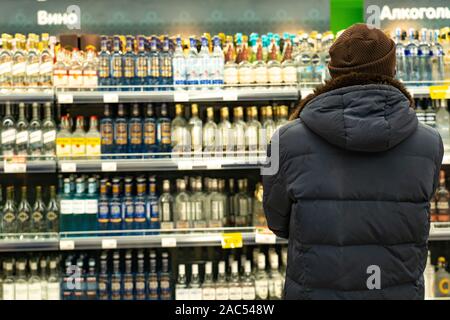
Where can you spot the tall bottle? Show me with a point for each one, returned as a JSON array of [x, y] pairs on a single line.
[[165, 65], [165, 278], [209, 133], [48, 132], [115, 206], [166, 207], [269, 127], [235, 288], [424, 55], [243, 205], [75, 74], [140, 204], [226, 134], [204, 64], [35, 128], [443, 122], [253, 132], [52, 212], [154, 63], [275, 279], [153, 209], [21, 281], [192, 64], [182, 212], [289, 72], [103, 212], [53, 282], [34, 282], [216, 63], [239, 128], [411, 57], [60, 69], [141, 63], [38, 214], [197, 205], [180, 133], [90, 73], [116, 63], [23, 212], [208, 290], [107, 132], [64, 140], [19, 62], [179, 66], [273, 65], [163, 127], [260, 66], [22, 134], [78, 139], [429, 277], [135, 131], [437, 57], [8, 132], [248, 282], [245, 68], [120, 131], [91, 204], [181, 290], [442, 199], [9, 213], [66, 207], [217, 207], [128, 204], [6, 63], [222, 290], [149, 131], [230, 71], [400, 55], [196, 130], [104, 63], [128, 62], [261, 279]]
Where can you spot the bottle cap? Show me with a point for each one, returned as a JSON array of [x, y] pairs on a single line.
[[181, 269], [195, 269], [208, 267]]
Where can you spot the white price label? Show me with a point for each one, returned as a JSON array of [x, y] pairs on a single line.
[[265, 237], [65, 98], [68, 167], [213, 164], [110, 98], [109, 244], [230, 95], [14, 167], [168, 242], [185, 165], [109, 166], [181, 96], [66, 245]]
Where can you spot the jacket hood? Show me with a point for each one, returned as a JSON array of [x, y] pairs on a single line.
[[366, 117]]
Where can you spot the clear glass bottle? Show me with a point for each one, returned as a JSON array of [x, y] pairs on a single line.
[[149, 131], [9, 214], [139, 279], [104, 63], [196, 130], [243, 205], [165, 65], [437, 57], [192, 64], [6, 63], [115, 206], [135, 131], [165, 278], [245, 68], [400, 55], [260, 66], [38, 213], [103, 213], [19, 63], [230, 71], [208, 290], [226, 134], [289, 71], [163, 131], [116, 63], [239, 128], [194, 288], [116, 281], [8, 285], [93, 139], [166, 207], [182, 212], [153, 208], [35, 134], [442, 199], [48, 132], [23, 212], [34, 282], [275, 279], [78, 139], [259, 217], [153, 63], [181, 289], [107, 133], [216, 63], [412, 58], [128, 278], [253, 130], [273, 65], [32, 65], [89, 69], [317, 60], [52, 212], [204, 63], [120, 132], [424, 56], [22, 134], [64, 140], [21, 281], [180, 133], [128, 62], [234, 283], [60, 69], [179, 66], [222, 290], [443, 122], [141, 63], [248, 282], [8, 132], [216, 214], [209, 133], [53, 282], [103, 280], [442, 279], [261, 279], [75, 73], [152, 278], [197, 205], [282, 117]]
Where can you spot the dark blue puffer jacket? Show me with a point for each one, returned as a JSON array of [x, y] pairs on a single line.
[[352, 191]]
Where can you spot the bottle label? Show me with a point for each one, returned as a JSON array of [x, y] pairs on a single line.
[[128, 68], [222, 293], [442, 205], [93, 146], [51, 216], [18, 68], [49, 136], [46, 67], [66, 206], [75, 78], [248, 293], [90, 78], [8, 136], [154, 67], [235, 293], [166, 225], [91, 206], [275, 75], [60, 77], [166, 68], [8, 291], [230, 75], [115, 212], [208, 294], [261, 75], [35, 291], [195, 294], [78, 206], [9, 217], [23, 216], [141, 67], [32, 69], [149, 133], [139, 211], [103, 212], [78, 146], [36, 136], [136, 133], [5, 67], [22, 137], [63, 147], [129, 211], [245, 75], [216, 209], [21, 291], [121, 134], [165, 134], [103, 68], [53, 291], [262, 289], [181, 294], [289, 74]]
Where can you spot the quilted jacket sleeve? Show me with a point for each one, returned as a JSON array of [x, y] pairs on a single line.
[[276, 201]]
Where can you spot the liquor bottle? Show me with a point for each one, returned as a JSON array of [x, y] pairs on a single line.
[[181, 290], [411, 58], [34, 282], [52, 212], [19, 62], [242, 205], [261, 279], [259, 218], [103, 281], [442, 199], [275, 279], [103, 215], [253, 130], [192, 64], [89, 69], [45, 62], [209, 133], [239, 128], [104, 63], [166, 207], [424, 57], [48, 132], [93, 140], [141, 63], [116, 281], [152, 279], [139, 279], [21, 281], [437, 57], [153, 208], [128, 278], [75, 74], [273, 65], [289, 71], [180, 133], [260, 66], [32, 64], [226, 135], [282, 117], [400, 55], [231, 203], [429, 277], [140, 204], [204, 64], [6, 63], [23, 212], [22, 134], [60, 70], [53, 282], [182, 208], [120, 132], [149, 131], [245, 68], [197, 205], [116, 63], [165, 65], [91, 280], [442, 279], [8, 286], [129, 59], [269, 127], [128, 204], [208, 290], [38, 213], [217, 215], [317, 66], [91, 205], [179, 66], [64, 140], [66, 207], [9, 213], [222, 290], [216, 63], [194, 288], [35, 133], [234, 286], [163, 127], [248, 283], [135, 134], [107, 132], [115, 206], [153, 63], [196, 130], [79, 205], [230, 71], [43, 275], [78, 139], [8, 132]]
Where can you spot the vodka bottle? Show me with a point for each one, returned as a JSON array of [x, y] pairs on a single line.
[[181, 290], [153, 63], [195, 127], [165, 278], [209, 133], [34, 283], [128, 278], [273, 65], [245, 68], [443, 122], [48, 132], [60, 69], [193, 66], [45, 62], [166, 207], [411, 58], [35, 133], [21, 281], [248, 283], [216, 63], [152, 279], [260, 66], [75, 70], [53, 282], [116, 281], [116, 63], [149, 131], [90, 76], [424, 55], [182, 212], [8, 132], [32, 66], [437, 57], [230, 71], [23, 212], [129, 59], [261, 279], [239, 128], [141, 63], [204, 63], [276, 279], [179, 66], [104, 63], [52, 212], [208, 290], [64, 140], [197, 205], [400, 55], [216, 214], [243, 203], [429, 277], [78, 139], [107, 132], [194, 288], [225, 137], [22, 134], [222, 290], [163, 131], [180, 133], [6, 63], [165, 64], [135, 131], [38, 213], [234, 286], [19, 62], [120, 131], [269, 127], [289, 72], [253, 131], [8, 285], [139, 279]]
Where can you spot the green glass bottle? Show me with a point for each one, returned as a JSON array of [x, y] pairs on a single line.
[[23, 212], [9, 221], [52, 212]]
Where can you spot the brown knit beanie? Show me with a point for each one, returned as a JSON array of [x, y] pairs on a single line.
[[360, 49]]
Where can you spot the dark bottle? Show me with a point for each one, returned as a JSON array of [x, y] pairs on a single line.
[[103, 215], [442, 200], [120, 132], [163, 130], [128, 204], [116, 281], [139, 279], [152, 280], [103, 281], [140, 204], [149, 141], [165, 278], [38, 213], [9, 218], [115, 206], [107, 133], [23, 212], [128, 278], [135, 133], [52, 212], [91, 281]]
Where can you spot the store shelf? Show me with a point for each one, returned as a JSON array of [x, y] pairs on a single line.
[[440, 231], [30, 95], [29, 242], [35, 166]]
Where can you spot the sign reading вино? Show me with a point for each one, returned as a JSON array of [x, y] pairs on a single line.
[[388, 15], [157, 17]]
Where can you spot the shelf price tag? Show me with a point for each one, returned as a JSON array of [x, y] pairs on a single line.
[[440, 228], [232, 240], [110, 98], [15, 165], [185, 165], [181, 96], [213, 164], [230, 95], [109, 166], [109, 244], [66, 245], [439, 92], [65, 98], [265, 236], [68, 167], [168, 242]]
